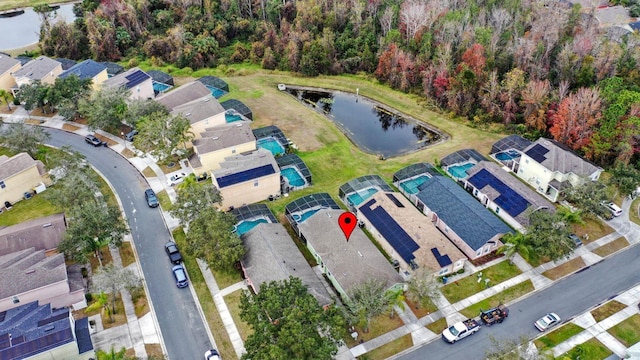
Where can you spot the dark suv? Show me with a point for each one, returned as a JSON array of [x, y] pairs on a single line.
[[152, 199], [91, 139], [172, 251]]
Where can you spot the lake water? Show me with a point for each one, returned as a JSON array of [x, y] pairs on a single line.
[[24, 30], [369, 126]]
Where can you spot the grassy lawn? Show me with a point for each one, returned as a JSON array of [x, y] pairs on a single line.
[[634, 211], [595, 228], [165, 202], [107, 194], [14, 4], [37, 206], [438, 325], [557, 336], [127, 153], [154, 350], [503, 297], [226, 278], [379, 325], [126, 253], [591, 349], [628, 331], [119, 318], [140, 302], [233, 303], [148, 172], [465, 287], [69, 127], [610, 248], [607, 310], [389, 349], [564, 269], [206, 301]]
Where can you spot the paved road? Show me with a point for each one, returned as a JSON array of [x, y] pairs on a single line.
[[568, 298], [182, 328]]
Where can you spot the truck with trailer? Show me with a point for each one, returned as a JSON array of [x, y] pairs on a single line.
[[495, 315]]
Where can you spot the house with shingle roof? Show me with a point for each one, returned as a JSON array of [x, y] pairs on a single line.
[[407, 235], [248, 178], [550, 168], [42, 69], [19, 174], [90, 70], [273, 256], [29, 275], [215, 144], [8, 66], [507, 196], [347, 264], [202, 114], [44, 233], [183, 94], [474, 229], [33, 331], [136, 81]]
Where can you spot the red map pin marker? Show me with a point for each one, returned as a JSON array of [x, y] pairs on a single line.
[[347, 222]]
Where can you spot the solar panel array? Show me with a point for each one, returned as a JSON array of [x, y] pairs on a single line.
[[54, 318], [38, 345], [414, 170], [509, 200], [363, 182], [516, 142], [395, 200], [461, 156], [295, 160], [135, 78], [395, 235], [238, 106], [538, 153], [443, 260], [246, 175], [252, 211]]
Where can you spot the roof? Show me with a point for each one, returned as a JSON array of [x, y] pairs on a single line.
[[557, 157], [43, 233], [350, 262], [183, 94], [161, 77], [11, 166], [252, 211], [288, 160], [38, 328], [7, 63], [612, 15], [128, 79], [87, 69], [28, 270], [462, 156], [408, 231], [223, 137], [200, 109], [273, 256], [113, 69], [23, 59], [238, 106], [37, 68], [66, 63], [214, 82], [462, 213], [635, 25], [242, 168], [507, 191], [415, 170], [515, 142]]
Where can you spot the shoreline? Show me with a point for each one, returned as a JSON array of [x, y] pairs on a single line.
[[20, 50], [26, 4]]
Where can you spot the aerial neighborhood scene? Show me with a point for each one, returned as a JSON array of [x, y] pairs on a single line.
[[320, 179]]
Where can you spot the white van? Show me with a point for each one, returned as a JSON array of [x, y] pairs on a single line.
[[615, 210]]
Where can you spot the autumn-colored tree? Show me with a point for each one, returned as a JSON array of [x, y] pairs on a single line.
[[577, 115], [535, 100], [512, 84], [475, 59]]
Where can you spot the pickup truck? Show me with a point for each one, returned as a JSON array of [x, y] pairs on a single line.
[[460, 330], [495, 315]]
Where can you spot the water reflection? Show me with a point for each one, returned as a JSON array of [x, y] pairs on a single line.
[[24, 29]]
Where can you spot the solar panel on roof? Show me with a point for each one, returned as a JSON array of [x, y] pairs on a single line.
[[246, 175], [509, 200], [395, 235], [395, 200], [137, 77], [53, 318], [443, 260], [537, 153]]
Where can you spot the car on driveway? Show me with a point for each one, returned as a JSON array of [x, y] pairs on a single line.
[[93, 140], [173, 252], [547, 321], [129, 136], [212, 355], [176, 179], [576, 240], [180, 275], [613, 208], [152, 199]]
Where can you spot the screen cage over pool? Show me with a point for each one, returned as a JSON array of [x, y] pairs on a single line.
[[362, 183], [294, 160], [252, 211], [161, 77], [462, 156], [271, 131], [515, 142], [238, 106], [414, 170], [217, 86], [306, 203]]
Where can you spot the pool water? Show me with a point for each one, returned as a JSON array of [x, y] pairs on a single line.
[[411, 186], [357, 198], [246, 225], [460, 171], [217, 93], [507, 155], [301, 217], [231, 117], [271, 144], [293, 176], [160, 87]]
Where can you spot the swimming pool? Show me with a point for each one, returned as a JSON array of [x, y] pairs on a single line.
[[160, 87], [271, 144], [244, 226], [217, 93], [357, 198], [411, 186], [230, 117], [507, 155], [293, 176], [301, 217], [460, 171]]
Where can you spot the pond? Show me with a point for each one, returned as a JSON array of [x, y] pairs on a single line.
[[372, 127], [24, 29]]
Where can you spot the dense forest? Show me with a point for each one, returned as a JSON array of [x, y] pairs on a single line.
[[539, 68]]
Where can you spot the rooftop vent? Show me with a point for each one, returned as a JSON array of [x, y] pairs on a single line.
[[46, 225], [30, 271]]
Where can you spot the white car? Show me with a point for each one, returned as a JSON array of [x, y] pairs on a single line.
[[212, 355], [613, 208], [176, 179], [547, 321]]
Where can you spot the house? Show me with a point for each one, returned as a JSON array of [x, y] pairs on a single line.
[[356, 191], [29, 275], [612, 15], [33, 331], [136, 81], [406, 235], [217, 143], [273, 256], [66, 63], [113, 69], [19, 174], [41, 69], [507, 196], [88, 70], [299, 210], [184, 94], [550, 167], [508, 150], [247, 178], [8, 66], [457, 163], [474, 229], [347, 264], [202, 113], [44, 233]]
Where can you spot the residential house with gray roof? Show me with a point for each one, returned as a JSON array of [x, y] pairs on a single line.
[[41, 69], [551, 168], [183, 94], [88, 70], [19, 174], [8, 65], [273, 256], [136, 81], [474, 229], [44, 233], [215, 144], [347, 264]]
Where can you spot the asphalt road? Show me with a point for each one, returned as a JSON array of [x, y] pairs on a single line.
[[180, 322], [568, 297]]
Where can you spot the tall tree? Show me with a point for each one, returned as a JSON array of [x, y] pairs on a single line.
[[289, 323], [365, 302], [193, 199], [576, 118], [112, 279], [106, 108], [4, 94], [588, 198], [161, 134], [625, 177], [23, 138], [549, 236], [211, 238], [423, 287], [514, 349], [516, 243]]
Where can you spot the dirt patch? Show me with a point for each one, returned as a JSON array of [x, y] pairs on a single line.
[[128, 153], [69, 127], [565, 269], [106, 139], [5, 110], [610, 248], [153, 350], [39, 112]]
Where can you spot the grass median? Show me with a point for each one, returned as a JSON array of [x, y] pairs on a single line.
[[465, 287], [503, 297]]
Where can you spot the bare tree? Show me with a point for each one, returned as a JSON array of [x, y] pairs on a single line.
[[423, 287], [111, 279], [386, 20], [416, 14]]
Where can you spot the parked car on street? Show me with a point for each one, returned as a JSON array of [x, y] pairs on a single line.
[[152, 199], [460, 330], [547, 321], [173, 252], [180, 275], [495, 315], [176, 179], [212, 355], [93, 140]]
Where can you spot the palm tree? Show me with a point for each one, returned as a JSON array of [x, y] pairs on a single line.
[[570, 216], [517, 243], [395, 298], [102, 301], [4, 94]]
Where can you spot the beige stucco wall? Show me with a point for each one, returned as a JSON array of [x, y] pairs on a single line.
[[64, 352], [489, 204], [200, 126], [211, 160], [248, 192], [142, 91], [17, 185], [99, 79], [56, 294], [50, 78], [6, 80]]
